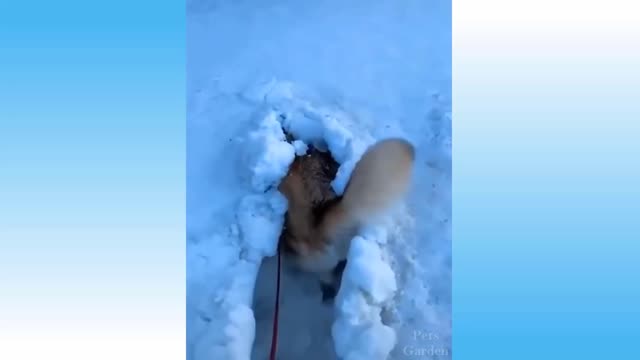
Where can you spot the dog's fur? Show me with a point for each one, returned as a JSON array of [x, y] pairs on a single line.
[[320, 225]]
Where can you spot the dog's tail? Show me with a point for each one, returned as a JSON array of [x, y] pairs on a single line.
[[379, 179]]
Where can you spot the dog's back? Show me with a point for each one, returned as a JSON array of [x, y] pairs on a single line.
[[380, 178], [319, 224]]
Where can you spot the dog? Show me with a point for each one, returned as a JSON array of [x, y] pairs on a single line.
[[319, 224]]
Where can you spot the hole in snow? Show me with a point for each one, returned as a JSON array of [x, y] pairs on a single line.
[[305, 319]]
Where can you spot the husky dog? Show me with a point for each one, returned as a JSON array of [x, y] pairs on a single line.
[[319, 225]]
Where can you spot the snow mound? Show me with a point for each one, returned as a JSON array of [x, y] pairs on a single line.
[[272, 155], [368, 283], [322, 127], [225, 324], [369, 272]]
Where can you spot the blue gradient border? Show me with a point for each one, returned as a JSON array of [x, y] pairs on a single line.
[[92, 195], [545, 191]]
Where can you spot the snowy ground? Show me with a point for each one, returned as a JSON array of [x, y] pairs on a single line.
[[335, 73]]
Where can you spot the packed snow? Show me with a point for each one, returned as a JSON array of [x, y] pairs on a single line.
[[337, 76]]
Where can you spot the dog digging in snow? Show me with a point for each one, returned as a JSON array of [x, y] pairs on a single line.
[[319, 224]]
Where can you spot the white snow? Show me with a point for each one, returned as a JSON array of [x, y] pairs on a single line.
[[336, 75], [367, 284], [368, 271], [301, 147], [271, 159], [223, 268]]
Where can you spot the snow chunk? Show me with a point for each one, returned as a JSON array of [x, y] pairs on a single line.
[[231, 338], [310, 130], [240, 331], [301, 147], [270, 155], [368, 342], [338, 138], [239, 290], [261, 218], [369, 272], [368, 283], [323, 129]]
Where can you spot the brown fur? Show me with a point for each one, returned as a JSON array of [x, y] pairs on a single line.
[[319, 225], [308, 190]]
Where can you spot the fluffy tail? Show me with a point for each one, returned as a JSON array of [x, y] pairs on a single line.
[[380, 178]]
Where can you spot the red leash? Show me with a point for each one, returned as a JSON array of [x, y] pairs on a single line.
[[274, 338]]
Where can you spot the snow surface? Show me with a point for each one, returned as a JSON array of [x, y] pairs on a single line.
[[337, 75]]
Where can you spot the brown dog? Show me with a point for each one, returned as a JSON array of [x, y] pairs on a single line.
[[320, 225]]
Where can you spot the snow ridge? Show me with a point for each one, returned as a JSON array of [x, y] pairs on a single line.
[[368, 280]]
